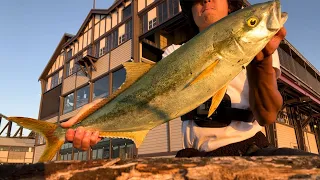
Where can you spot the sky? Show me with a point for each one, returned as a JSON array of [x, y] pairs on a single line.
[[31, 30]]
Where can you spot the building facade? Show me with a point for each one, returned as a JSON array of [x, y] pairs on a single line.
[[88, 65]]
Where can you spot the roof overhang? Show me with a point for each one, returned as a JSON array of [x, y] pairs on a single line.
[[56, 53]]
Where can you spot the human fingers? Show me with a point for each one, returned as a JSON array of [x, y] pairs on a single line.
[[70, 135], [94, 139], [77, 141], [85, 144]]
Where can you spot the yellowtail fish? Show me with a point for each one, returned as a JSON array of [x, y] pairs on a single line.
[[153, 94]]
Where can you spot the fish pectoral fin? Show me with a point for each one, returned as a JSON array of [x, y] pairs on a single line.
[[136, 136], [216, 99], [205, 72]]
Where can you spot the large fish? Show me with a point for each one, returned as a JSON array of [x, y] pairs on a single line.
[[154, 94]]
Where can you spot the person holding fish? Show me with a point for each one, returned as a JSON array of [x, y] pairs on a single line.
[[251, 100]]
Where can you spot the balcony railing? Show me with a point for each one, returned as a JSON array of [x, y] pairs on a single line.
[[296, 69]]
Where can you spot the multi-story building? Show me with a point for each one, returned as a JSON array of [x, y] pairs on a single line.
[[88, 65]]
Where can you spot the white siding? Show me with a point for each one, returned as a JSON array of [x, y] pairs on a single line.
[[102, 66], [38, 153], [85, 40], [96, 31], [121, 54], [310, 142], [102, 26], [121, 30], [149, 2], [52, 120], [69, 84], [61, 59], [175, 134], [49, 83], [156, 141], [102, 43], [114, 19], [16, 142], [80, 43], [76, 48], [108, 23], [81, 79], [152, 14], [89, 36], [286, 136], [141, 4], [120, 14]]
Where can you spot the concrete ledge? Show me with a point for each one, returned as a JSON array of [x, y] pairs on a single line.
[[280, 167]]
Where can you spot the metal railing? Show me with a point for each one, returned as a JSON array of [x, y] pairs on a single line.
[[301, 72]]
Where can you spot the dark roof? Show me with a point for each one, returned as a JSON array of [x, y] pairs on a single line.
[[54, 56]]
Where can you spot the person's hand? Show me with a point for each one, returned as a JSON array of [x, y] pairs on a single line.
[[272, 45], [81, 138]]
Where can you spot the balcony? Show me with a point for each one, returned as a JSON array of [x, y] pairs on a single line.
[[296, 69]]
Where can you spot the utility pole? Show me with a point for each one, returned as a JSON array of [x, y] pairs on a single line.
[[94, 4]]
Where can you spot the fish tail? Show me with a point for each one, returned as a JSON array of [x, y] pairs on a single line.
[[54, 140]]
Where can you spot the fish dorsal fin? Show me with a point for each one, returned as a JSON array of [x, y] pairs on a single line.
[[134, 70], [216, 99]]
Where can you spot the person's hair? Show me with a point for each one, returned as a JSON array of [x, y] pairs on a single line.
[[186, 6]]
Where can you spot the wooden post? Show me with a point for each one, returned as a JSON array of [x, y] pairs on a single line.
[[135, 30]]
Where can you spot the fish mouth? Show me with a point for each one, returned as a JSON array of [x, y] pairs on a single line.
[[277, 18]]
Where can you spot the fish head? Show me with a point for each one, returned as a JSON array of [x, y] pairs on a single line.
[[252, 28]]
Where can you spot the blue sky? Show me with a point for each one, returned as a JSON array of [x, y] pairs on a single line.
[[31, 30]]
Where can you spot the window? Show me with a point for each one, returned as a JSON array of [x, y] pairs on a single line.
[[173, 7], [73, 68], [94, 154], [115, 39], [152, 23], [118, 78], [90, 51], [75, 157], [54, 80], [100, 152], [112, 41], [108, 43], [122, 38], [126, 12], [4, 148], [163, 14], [69, 54], [68, 69], [84, 155], [97, 49], [129, 29], [145, 23], [83, 96], [101, 53], [101, 88], [68, 103]]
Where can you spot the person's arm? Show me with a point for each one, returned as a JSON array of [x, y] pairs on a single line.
[[264, 97]]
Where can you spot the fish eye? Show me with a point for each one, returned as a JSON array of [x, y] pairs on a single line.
[[252, 21]]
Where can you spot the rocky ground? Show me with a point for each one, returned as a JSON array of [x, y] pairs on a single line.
[[280, 167]]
